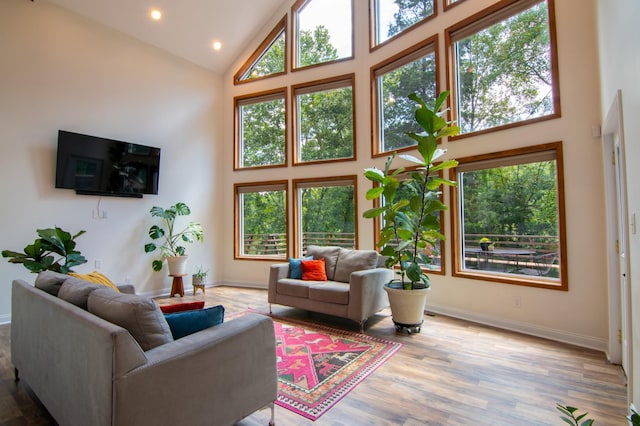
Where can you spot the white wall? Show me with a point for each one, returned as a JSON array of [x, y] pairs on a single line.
[[62, 71], [619, 39], [578, 315]]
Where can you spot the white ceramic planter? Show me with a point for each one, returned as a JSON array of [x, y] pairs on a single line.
[[407, 306], [177, 265]]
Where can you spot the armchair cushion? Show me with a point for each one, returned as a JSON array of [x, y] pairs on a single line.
[[76, 291], [140, 315], [354, 260], [50, 281], [189, 322]]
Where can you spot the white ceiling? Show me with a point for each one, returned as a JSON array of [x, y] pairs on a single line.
[[188, 27]]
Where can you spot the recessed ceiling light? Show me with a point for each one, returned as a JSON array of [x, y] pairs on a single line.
[[155, 14], [216, 45]]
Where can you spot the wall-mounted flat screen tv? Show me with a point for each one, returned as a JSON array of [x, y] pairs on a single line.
[[98, 166]]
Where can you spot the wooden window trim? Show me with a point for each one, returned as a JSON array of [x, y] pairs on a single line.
[[390, 64], [448, 4], [280, 28], [481, 20], [373, 26], [346, 80], [456, 249], [239, 188], [315, 182], [297, 6], [239, 101]]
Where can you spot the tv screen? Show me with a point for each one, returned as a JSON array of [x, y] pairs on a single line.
[[98, 166]]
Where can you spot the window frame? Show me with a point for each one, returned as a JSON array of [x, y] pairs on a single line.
[[373, 25], [295, 57], [245, 187], [479, 21], [318, 182], [448, 4], [320, 86], [272, 37], [393, 63], [250, 99], [457, 248]]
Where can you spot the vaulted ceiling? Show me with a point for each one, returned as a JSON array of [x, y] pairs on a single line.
[[187, 28]]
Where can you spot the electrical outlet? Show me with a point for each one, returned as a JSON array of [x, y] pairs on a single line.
[[517, 301]]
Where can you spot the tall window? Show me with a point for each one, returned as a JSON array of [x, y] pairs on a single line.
[[269, 59], [323, 31], [412, 71], [391, 17], [509, 217], [503, 66], [325, 212], [324, 120], [261, 220], [260, 122]]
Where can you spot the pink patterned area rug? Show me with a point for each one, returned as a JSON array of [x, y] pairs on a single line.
[[318, 365]]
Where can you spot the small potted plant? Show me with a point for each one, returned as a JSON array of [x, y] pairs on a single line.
[[200, 277], [485, 243], [170, 240]]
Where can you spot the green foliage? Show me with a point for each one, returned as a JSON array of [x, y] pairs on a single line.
[[40, 256], [505, 72], [409, 12], [201, 272], [314, 47], [569, 416], [634, 418], [271, 62], [412, 198], [263, 133], [169, 239]]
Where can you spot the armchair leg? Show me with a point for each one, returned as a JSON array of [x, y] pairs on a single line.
[[272, 422], [16, 375], [270, 311]]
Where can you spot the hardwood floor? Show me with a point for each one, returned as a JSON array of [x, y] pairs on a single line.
[[453, 373]]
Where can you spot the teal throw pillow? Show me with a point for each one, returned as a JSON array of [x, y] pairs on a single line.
[[295, 267], [185, 323]]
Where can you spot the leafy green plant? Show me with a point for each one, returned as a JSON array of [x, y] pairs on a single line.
[[569, 416], [201, 273], [40, 256], [411, 207], [170, 240], [634, 418]]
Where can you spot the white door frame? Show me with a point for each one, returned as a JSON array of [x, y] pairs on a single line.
[[619, 315]]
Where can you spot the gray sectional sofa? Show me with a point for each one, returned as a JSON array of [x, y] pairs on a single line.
[[353, 290], [90, 371]]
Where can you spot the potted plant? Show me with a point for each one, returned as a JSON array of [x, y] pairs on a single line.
[[199, 278], [40, 256], [170, 240], [410, 213]]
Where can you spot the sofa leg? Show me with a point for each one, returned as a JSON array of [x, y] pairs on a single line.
[[272, 422], [362, 326], [270, 311], [16, 375]]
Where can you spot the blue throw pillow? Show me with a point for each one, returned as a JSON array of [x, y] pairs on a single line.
[[295, 267], [189, 322]]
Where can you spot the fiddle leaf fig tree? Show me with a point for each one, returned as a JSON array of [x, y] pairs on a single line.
[[166, 239], [41, 255], [411, 198]]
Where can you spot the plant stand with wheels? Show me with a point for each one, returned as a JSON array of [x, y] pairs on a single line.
[[177, 286]]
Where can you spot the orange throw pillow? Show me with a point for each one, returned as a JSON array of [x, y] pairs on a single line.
[[313, 270]]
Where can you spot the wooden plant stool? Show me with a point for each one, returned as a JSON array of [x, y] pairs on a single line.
[[198, 286], [177, 286]]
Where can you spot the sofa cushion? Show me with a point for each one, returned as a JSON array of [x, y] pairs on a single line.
[[97, 278], [295, 268], [330, 255], [314, 270], [140, 315], [50, 281], [354, 260], [293, 287], [76, 291], [330, 292], [186, 323]]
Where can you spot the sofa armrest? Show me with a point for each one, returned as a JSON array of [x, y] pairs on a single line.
[[216, 376], [366, 294], [276, 273], [127, 289]]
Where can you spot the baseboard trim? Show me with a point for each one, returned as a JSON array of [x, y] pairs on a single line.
[[523, 327]]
